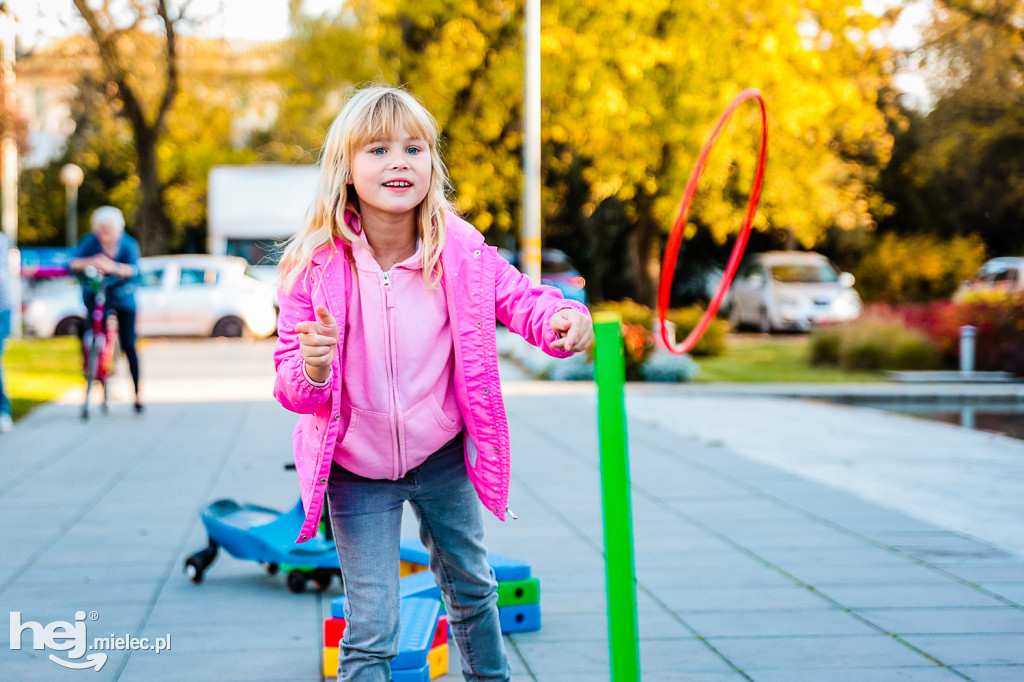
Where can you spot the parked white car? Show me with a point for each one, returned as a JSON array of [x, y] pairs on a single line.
[[191, 295], [792, 290]]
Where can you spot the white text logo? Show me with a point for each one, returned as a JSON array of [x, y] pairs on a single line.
[[72, 638]]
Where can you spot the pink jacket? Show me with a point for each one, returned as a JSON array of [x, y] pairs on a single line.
[[471, 271]]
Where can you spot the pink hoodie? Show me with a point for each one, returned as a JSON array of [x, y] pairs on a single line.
[[479, 286], [397, 368]]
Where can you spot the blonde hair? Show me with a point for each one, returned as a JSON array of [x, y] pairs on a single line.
[[377, 112]]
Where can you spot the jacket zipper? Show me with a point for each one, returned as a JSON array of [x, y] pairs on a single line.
[[389, 325]]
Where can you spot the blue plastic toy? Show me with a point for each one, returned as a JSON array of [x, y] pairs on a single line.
[[519, 618], [505, 568], [419, 625], [253, 533]]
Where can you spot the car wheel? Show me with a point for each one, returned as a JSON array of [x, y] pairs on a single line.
[[69, 326], [231, 327], [764, 322]]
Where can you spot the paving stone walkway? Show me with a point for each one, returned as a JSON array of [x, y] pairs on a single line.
[[747, 568]]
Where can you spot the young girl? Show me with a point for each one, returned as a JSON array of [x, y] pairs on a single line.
[[387, 351]]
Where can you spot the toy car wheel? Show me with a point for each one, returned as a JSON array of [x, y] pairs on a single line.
[[272, 569], [322, 578], [194, 569], [296, 581]]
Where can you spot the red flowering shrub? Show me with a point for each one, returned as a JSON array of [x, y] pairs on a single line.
[[999, 324]]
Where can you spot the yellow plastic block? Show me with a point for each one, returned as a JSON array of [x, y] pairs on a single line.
[[408, 568], [438, 661], [330, 661]]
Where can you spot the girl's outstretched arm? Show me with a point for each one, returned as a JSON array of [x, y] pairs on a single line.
[[528, 310], [293, 387]]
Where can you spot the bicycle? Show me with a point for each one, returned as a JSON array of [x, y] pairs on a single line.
[[98, 340]]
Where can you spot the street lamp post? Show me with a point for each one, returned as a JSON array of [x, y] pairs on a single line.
[[72, 177], [531, 146]]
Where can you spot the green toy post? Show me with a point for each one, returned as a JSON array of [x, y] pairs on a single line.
[[610, 372]]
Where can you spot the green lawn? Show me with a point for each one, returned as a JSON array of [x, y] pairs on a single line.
[[783, 359], [38, 370]]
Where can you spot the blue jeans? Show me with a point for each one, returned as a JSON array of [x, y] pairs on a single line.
[[5, 330], [366, 516]]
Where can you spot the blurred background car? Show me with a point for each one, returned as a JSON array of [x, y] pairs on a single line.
[[557, 270], [792, 290], [191, 295], [1000, 275]]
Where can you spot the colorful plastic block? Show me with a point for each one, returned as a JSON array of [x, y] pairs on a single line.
[[521, 618], [330, 661], [407, 568], [505, 568], [334, 628], [416, 585], [441, 634], [421, 674], [413, 551], [437, 659], [419, 584], [419, 625], [338, 606], [514, 592]]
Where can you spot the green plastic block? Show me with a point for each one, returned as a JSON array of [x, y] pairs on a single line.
[[513, 592]]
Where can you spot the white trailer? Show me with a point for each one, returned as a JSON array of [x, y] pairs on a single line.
[[252, 209]]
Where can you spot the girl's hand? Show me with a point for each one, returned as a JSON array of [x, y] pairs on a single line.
[[318, 340], [575, 330]]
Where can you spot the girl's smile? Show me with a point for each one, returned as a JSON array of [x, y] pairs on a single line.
[[391, 177]]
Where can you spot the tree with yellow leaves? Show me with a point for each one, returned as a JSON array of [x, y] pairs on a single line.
[[629, 92]]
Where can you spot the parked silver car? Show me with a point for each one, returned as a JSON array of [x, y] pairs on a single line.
[[191, 295], [792, 290], [999, 275]]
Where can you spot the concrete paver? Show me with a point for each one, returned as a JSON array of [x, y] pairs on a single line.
[[791, 541]]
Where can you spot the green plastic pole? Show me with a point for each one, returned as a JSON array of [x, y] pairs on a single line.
[[610, 372]]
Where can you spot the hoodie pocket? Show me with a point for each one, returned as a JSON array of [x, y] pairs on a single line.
[[368, 445], [426, 428]]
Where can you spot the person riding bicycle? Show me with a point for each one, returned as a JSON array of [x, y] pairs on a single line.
[[115, 254]]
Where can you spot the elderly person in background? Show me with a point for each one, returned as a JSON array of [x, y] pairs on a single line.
[[113, 253], [6, 422]]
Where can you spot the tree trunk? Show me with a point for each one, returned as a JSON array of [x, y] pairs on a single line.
[[645, 253], [151, 223]]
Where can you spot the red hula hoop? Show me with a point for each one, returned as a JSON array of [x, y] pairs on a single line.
[[668, 266]]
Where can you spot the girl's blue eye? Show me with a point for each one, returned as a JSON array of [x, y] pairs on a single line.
[[378, 151], [414, 150]]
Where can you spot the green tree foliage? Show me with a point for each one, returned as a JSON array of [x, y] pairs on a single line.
[[959, 168], [629, 93]]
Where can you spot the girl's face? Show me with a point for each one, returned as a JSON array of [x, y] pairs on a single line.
[[392, 176]]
